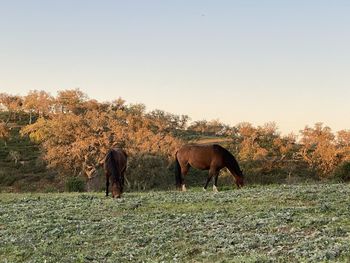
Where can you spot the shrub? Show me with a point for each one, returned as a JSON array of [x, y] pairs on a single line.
[[147, 172], [342, 172], [50, 189], [8, 179], [75, 184]]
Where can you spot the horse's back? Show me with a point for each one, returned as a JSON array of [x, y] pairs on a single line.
[[207, 149], [200, 156], [190, 150]]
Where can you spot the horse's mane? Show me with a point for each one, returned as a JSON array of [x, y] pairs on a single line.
[[230, 160]]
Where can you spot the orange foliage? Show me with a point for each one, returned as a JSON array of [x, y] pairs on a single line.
[[4, 131], [79, 142], [319, 148], [76, 132]]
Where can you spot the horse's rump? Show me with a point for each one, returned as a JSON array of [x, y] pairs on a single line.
[[115, 166]]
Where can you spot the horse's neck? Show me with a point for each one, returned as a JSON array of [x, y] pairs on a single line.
[[230, 166], [232, 171]]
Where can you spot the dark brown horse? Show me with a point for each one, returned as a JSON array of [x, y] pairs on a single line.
[[115, 166], [206, 157]]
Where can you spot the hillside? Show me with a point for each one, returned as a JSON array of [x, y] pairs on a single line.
[[21, 165], [22, 168], [295, 223], [74, 133]]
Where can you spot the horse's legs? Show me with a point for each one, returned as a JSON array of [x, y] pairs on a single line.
[[107, 183], [211, 173], [215, 189], [184, 171], [122, 180], [208, 180]]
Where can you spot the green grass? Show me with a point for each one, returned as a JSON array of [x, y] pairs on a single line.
[[261, 224]]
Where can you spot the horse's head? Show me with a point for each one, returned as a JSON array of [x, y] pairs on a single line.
[[240, 179]]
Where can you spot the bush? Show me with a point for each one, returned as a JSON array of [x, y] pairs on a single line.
[[75, 184], [147, 172], [342, 172], [50, 189]]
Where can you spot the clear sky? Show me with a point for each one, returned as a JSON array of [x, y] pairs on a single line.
[[255, 61]]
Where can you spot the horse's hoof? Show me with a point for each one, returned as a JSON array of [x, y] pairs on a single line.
[[215, 190], [183, 188], [204, 190]]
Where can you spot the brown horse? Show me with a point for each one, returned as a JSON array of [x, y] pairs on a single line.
[[115, 166], [206, 157]]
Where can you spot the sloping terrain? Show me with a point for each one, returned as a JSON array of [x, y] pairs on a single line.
[[21, 166]]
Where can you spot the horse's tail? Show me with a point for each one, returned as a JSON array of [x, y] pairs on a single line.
[[112, 165], [178, 179]]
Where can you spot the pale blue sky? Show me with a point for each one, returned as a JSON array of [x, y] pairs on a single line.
[[255, 61]]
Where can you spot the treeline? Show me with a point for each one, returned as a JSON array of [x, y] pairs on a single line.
[[75, 132]]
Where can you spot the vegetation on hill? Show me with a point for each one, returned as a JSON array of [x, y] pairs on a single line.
[[45, 140], [21, 165]]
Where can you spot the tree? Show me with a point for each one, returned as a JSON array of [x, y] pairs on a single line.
[[318, 149], [264, 152], [247, 142], [12, 103], [198, 126], [39, 102], [4, 132], [167, 122], [213, 127], [77, 143], [70, 101], [118, 104], [343, 145]]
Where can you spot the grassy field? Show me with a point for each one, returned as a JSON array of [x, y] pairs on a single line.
[[262, 224]]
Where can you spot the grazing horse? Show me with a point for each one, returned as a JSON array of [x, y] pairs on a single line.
[[115, 166], [211, 157]]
